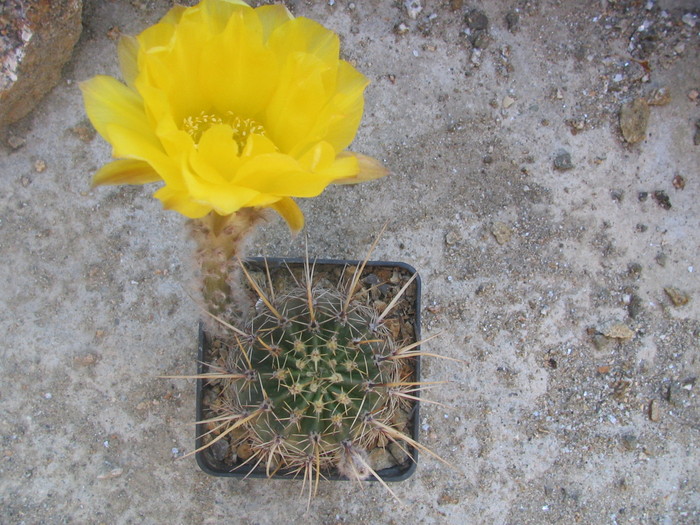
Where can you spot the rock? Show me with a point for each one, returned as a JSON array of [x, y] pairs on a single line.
[[634, 308], [629, 441], [689, 19], [659, 97], [661, 259], [399, 453], [476, 20], [654, 411], [600, 342], [114, 473], [678, 182], [678, 297], [220, 449], [86, 360], [508, 102], [619, 331], [501, 232], [456, 5], [512, 21], [380, 458], [662, 199], [478, 24], [634, 270], [617, 194], [36, 40], [562, 161], [413, 8], [634, 118], [674, 394], [452, 237]]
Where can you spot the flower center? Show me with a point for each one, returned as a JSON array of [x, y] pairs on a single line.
[[242, 127]]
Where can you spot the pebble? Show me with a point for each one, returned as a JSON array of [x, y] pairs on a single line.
[[661, 259], [413, 8], [674, 394], [114, 473], [696, 136], [678, 182], [502, 232], [619, 331], [634, 270], [40, 166], [562, 161], [512, 21], [508, 101], [689, 19], [659, 97], [629, 441], [662, 199], [600, 342], [16, 142], [634, 308], [634, 118], [678, 297], [380, 458], [452, 237], [85, 360], [401, 29], [477, 20], [693, 94], [399, 453], [654, 411]]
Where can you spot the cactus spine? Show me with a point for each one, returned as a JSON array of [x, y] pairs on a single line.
[[313, 381]]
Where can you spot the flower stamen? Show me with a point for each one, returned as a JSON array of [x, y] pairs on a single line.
[[195, 126]]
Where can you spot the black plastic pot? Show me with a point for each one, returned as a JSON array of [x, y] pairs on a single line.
[[205, 458]]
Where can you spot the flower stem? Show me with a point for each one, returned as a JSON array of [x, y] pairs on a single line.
[[220, 241]]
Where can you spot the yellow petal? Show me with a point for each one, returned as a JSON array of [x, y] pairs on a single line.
[[340, 119], [302, 35], [125, 171], [215, 13], [297, 102], [280, 175], [180, 201], [224, 197], [173, 16], [109, 102], [218, 152], [370, 169], [127, 51], [271, 17], [290, 212], [241, 72]]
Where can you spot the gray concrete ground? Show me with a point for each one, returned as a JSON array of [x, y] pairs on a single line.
[[579, 399]]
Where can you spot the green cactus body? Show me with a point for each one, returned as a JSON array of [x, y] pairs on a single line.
[[312, 373], [312, 382]]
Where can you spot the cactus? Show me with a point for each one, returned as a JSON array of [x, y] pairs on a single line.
[[313, 381]]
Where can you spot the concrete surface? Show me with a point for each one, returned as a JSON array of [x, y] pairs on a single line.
[[525, 267]]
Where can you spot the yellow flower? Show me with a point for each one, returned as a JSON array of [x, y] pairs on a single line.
[[231, 107]]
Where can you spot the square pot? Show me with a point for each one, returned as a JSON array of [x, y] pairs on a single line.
[[218, 466]]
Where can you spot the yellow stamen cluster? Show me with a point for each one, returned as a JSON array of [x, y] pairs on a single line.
[[195, 126]]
